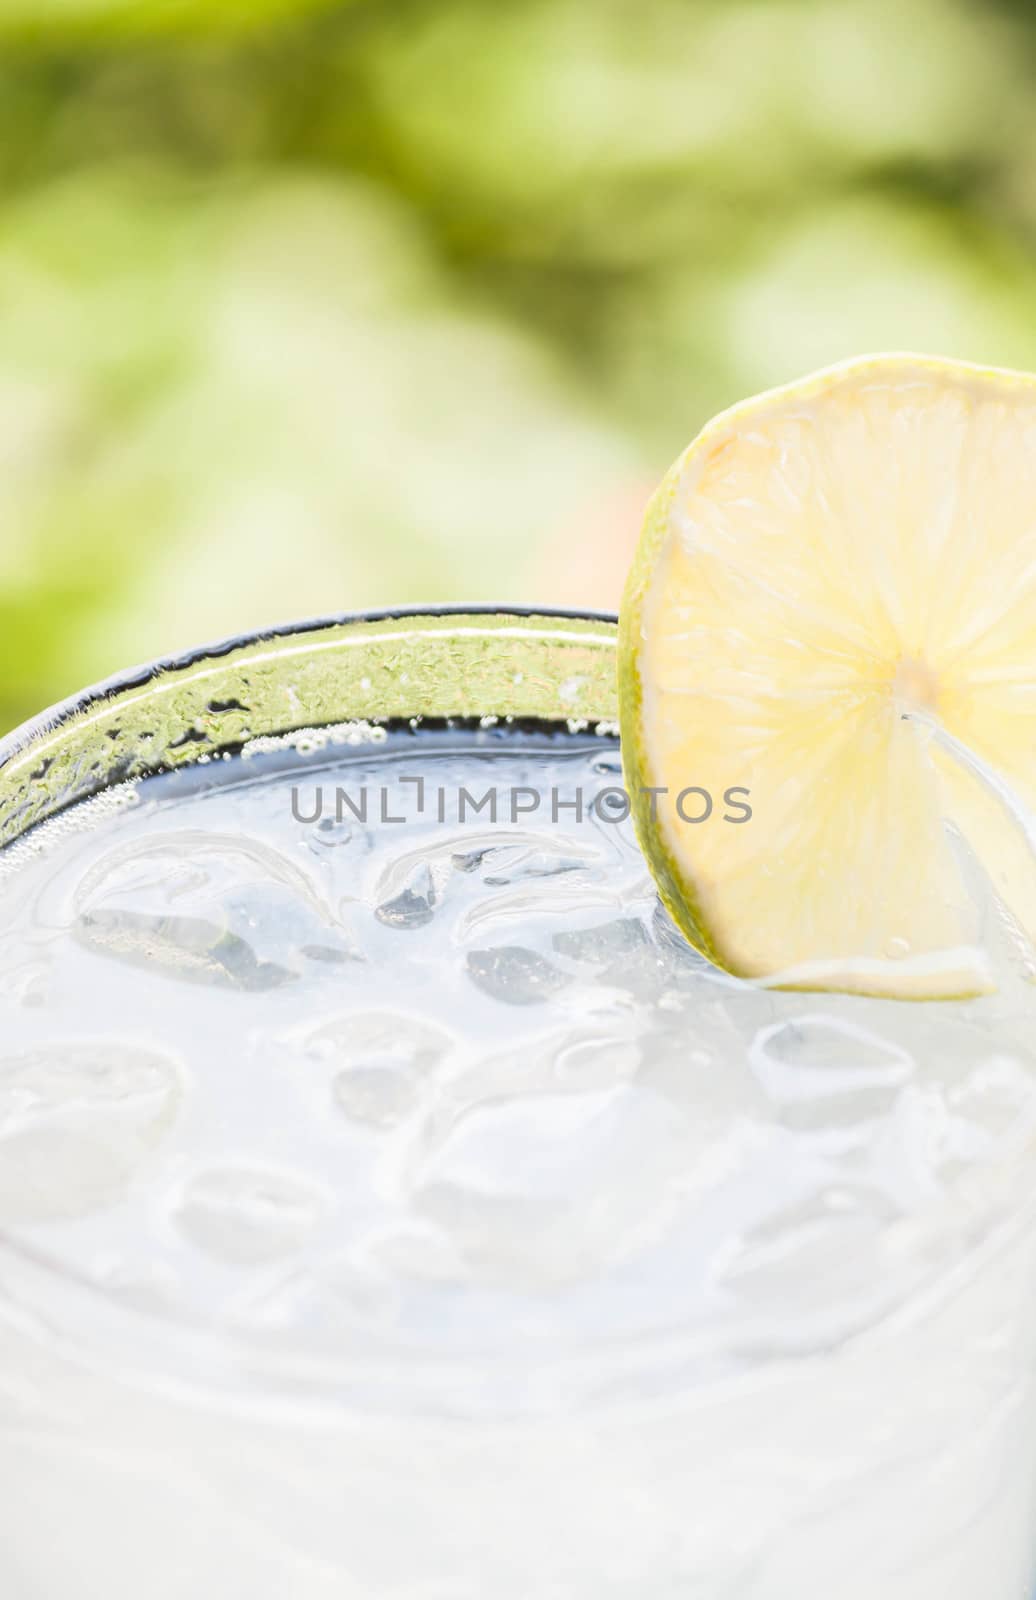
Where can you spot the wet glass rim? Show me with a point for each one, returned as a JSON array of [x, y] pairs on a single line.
[[454, 662], [139, 676]]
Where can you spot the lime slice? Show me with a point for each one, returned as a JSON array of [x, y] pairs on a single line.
[[833, 608]]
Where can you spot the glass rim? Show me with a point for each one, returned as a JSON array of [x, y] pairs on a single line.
[[181, 708]]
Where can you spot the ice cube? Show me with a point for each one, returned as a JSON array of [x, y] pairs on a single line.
[[248, 1215], [180, 947], [514, 975], [825, 1071], [206, 908], [549, 1187], [383, 1062], [76, 1121]]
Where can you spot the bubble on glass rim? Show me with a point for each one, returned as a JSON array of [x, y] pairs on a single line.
[[308, 741], [77, 819]]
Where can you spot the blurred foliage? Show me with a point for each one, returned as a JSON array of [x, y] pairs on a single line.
[[309, 305]]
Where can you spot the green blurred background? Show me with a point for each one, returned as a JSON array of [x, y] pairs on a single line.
[[317, 306]]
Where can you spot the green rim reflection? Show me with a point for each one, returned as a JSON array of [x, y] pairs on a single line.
[[467, 664]]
